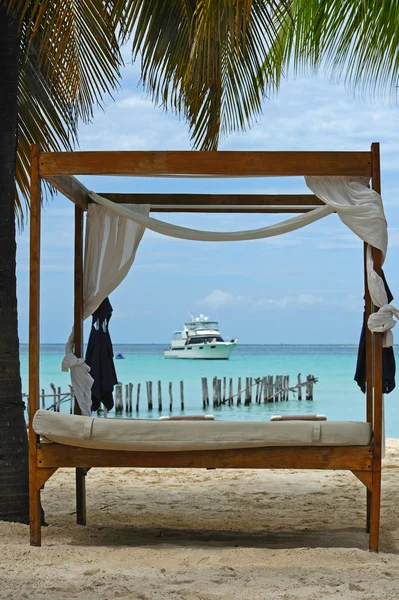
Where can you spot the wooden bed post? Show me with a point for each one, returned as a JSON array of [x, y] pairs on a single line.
[[34, 345], [78, 340], [369, 371], [375, 501]]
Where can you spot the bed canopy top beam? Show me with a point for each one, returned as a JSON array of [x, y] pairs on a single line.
[[232, 203], [205, 164]]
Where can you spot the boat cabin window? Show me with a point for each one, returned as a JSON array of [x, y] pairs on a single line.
[[177, 335], [205, 339]]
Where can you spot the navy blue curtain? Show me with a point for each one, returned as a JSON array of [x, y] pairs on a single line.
[[388, 357], [100, 358]]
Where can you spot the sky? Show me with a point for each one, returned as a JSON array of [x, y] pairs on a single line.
[[305, 287]]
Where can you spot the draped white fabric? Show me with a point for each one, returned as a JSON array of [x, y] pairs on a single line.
[[110, 248], [185, 233], [358, 206], [361, 209]]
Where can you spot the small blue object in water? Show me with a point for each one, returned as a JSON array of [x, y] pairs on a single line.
[[119, 355]]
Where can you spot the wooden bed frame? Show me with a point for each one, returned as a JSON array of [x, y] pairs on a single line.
[[59, 169]]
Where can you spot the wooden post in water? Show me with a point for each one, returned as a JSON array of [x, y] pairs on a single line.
[[219, 392], [170, 397], [276, 388], [230, 391], [239, 392], [71, 400], [118, 399], [54, 396], [59, 399], [138, 397], [205, 395], [43, 399], [287, 383], [299, 387], [181, 395], [214, 392], [149, 394], [263, 397], [224, 390], [159, 396], [307, 388], [247, 392], [130, 398]]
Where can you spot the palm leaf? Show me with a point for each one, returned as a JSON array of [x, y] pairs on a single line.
[[356, 41], [204, 58], [69, 60]]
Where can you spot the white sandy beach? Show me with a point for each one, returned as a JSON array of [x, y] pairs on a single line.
[[205, 535]]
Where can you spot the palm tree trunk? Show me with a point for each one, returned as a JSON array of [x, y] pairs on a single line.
[[13, 436]]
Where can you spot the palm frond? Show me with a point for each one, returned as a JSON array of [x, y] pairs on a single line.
[[356, 41], [204, 58], [78, 49], [69, 61]]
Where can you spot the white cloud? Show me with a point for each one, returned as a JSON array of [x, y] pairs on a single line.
[[300, 301], [219, 299]]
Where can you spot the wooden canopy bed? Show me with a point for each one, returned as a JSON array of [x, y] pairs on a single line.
[[59, 169]]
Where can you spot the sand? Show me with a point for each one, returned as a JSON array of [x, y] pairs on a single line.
[[206, 535]]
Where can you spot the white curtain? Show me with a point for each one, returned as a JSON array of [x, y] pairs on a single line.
[[111, 243], [110, 250], [185, 233], [361, 209]]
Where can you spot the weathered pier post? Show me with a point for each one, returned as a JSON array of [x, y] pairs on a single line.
[[247, 392], [71, 399], [159, 396], [182, 395], [138, 397], [271, 389], [43, 399], [130, 398], [127, 398], [230, 391], [299, 387], [118, 399], [224, 390], [149, 394], [239, 392], [215, 392], [170, 397], [205, 394], [54, 395]]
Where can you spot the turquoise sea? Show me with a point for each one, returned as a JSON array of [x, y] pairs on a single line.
[[335, 394]]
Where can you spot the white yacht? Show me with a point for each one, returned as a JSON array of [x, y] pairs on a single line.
[[200, 338]]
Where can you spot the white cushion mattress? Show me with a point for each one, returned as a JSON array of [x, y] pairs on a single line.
[[174, 436]]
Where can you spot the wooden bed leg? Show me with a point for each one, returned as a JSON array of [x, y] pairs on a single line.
[[35, 513], [368, 513], [375, 511], [81, 496]]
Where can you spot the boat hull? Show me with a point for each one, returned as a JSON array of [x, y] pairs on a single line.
[[219, 351]]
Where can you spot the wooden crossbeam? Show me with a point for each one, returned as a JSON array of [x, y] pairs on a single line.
[[210, 164], [232, 203], [71, 188], [355, 458]]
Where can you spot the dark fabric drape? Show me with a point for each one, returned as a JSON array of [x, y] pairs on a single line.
[[100, 358], [388, 357]]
